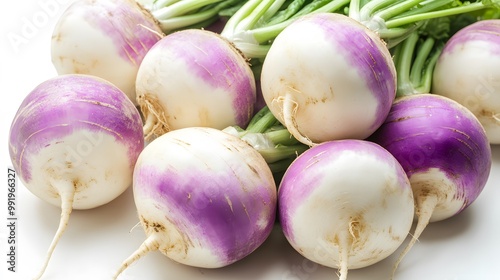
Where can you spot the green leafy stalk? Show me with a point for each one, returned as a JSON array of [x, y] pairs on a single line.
[[258, 22], [416, 57], [271, 139], [395, 20], [174, 15], [465, 8]]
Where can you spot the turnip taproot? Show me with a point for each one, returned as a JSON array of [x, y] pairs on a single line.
[[74, 142]]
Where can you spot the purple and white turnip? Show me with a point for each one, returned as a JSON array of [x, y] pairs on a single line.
[[444, 151], [107, 38], [205, 198], [194, 78], [328, 77], [345, 204], [74, 142]]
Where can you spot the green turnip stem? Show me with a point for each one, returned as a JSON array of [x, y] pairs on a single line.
[[269, 32], [152, 243], [181, 8], [188, 20], [403, 65], [66, 190], [425, 203], [280, 147], [384, 16], [397, 22], [415, 59], [258, 22], [424, 76], [278, 153], [262, 121]]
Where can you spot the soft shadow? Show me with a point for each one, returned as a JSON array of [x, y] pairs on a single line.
[[449, 228]]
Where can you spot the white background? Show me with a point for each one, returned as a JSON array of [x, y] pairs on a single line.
[[96, 241]]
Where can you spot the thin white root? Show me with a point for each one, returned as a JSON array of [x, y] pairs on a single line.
[[425, 205], [66, 190], [134, 227], [289, 110], [150, 244], [496, 117], [345, 243]]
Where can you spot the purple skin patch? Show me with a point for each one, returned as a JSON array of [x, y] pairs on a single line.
[[481, 31], [305, 173], [131, 29], [197, 203], [427, 131], [214, 61], [367, 54], [71, 104]]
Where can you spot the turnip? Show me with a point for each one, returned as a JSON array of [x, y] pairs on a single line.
[[205, 198], [74, 142], [345, 204], [106, 38], [194, 78], [476, 86], [444, 151], [328, 77]]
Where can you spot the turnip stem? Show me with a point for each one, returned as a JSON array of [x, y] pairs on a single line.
[[289, 111], [425, 204], [152, 243], [181, 8], [66, 190]]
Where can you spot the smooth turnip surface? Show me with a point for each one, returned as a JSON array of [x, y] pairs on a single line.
[[327, 77], [345, 204], [467, 72], [194, 78], [107, 38], [205, 198], [74, 142], [444, 151]]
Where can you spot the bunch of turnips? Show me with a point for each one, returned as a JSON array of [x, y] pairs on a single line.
[[339, 121]]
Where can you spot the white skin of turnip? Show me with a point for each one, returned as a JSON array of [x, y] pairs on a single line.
[[106, 38], [467, 72], [345, 204], [74, 142], [194, 78], [327, 77], [205, 198]]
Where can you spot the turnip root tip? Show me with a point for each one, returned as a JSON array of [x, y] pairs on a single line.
[[152, 243], [425, 203], [66, 190]]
